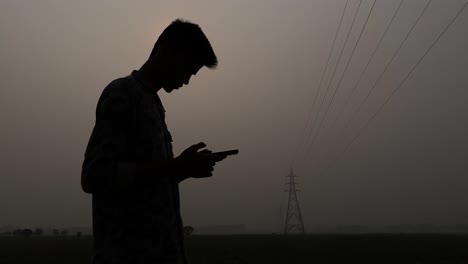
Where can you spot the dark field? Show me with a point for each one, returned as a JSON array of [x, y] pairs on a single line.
[[262, 249]]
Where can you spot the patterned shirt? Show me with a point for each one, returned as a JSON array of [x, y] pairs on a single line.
[[132, 222]]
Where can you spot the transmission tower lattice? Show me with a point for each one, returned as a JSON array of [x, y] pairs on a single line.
[[294, 221]]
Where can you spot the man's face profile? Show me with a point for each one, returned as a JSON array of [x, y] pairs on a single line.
[[178, 68], [179, 75]]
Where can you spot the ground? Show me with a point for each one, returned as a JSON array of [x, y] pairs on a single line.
[[201, 249]]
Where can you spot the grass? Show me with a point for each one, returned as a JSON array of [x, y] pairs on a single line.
[[201, 249]]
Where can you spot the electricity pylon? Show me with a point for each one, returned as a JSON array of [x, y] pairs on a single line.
[[293, 216]]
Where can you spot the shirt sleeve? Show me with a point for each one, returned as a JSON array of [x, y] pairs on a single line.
[[105, 166]]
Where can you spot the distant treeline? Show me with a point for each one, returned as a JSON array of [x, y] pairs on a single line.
[[37, 232], [27, 232]]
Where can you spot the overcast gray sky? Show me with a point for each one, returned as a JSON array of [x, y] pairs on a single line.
[[408, 166]]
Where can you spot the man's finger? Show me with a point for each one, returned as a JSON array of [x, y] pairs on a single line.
[[196, 147]]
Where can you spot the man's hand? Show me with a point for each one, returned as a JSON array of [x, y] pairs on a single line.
[[196, 164]]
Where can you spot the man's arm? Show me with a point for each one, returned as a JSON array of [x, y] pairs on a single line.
[[106, 166], [103, 166]]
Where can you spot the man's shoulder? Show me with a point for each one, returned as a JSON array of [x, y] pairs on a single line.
[[124, 91], [125, 87]]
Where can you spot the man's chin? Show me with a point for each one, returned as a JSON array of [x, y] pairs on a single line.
[[168, 90]]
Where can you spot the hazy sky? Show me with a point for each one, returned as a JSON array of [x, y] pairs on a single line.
[[408, 166]]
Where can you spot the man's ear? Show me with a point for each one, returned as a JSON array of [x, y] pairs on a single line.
[[168, 56]]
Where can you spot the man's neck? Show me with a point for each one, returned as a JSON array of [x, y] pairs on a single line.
[[149, 73]]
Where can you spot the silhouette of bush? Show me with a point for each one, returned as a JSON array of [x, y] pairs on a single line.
[[27, 232], [38, 232], [22, 232], [18, 232], [7, 233], [188, 230]]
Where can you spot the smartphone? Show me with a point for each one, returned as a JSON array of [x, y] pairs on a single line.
[[227, 152]]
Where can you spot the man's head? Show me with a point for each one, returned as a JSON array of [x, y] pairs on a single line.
[[180, 51]]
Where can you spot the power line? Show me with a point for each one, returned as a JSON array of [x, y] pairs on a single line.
[[385, 69], [386, 66], [399, 85], [320, 83], [334, 71], [341, 78], [367, 65]]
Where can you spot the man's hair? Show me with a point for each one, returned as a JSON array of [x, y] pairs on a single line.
[[184, 36]]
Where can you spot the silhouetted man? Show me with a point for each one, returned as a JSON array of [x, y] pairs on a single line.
[[129, 166]]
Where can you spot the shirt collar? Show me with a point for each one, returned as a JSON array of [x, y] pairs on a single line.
[[148, 86]]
